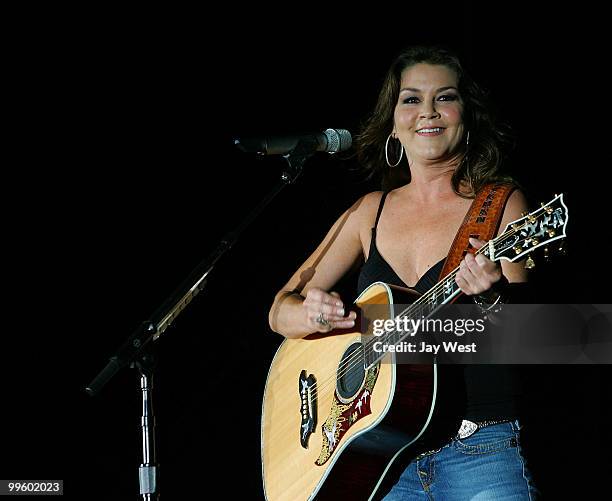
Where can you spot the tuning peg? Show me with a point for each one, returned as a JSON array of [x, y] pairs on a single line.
[[529, 264], [524, 213]]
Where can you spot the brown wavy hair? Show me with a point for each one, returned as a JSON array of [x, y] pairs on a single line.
[[482, 159]]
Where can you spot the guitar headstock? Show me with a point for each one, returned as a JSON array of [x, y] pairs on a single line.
[[538, 228]]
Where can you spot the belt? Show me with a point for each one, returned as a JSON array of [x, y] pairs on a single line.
[[468, 427]]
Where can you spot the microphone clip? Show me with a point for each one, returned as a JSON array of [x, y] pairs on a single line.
[[304, 149]]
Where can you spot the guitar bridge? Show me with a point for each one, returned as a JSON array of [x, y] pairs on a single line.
[[308, 408]]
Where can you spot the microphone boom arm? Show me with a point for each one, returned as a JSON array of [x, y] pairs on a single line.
[[150, 330]]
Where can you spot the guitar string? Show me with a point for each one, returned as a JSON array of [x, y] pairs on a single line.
[[359, 354]]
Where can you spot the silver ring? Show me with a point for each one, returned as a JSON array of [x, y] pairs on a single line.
[[321, 320]]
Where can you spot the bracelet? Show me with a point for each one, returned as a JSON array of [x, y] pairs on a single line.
[[484, 302], [486, 308]]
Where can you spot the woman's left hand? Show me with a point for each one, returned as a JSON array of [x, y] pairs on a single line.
[[477, 274]]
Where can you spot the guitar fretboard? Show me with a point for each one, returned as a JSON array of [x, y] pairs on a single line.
[[440, 294]]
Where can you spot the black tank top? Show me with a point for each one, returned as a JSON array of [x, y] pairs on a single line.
[[492, 391], [376, 269]]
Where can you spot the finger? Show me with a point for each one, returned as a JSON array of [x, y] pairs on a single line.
[[337, 323], [482, 260], [320, 323], [344, 324], [467, 286], [337, 299], [341, 318], [491, 271], [331, 311], [467, 268], [463, 284], [476, 243], [473, 265], [465, 279], [478, 279], [484, 270], [316, 296], [323, 322], [487, 267], [482, 267]]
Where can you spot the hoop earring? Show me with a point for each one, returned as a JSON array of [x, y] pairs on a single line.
[[387, 153], [464, 161]]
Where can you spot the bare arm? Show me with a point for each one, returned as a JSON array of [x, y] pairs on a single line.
[[305, 296]]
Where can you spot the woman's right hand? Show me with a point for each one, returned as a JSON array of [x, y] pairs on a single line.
[[325, 311]]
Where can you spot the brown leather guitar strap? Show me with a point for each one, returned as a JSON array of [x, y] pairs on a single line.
[[481, 221]]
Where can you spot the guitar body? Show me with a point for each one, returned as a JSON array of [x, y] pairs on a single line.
[[359, 422]]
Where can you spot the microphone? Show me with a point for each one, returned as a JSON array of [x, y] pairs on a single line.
[[330, 141]]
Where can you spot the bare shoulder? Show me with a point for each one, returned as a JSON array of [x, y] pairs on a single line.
[[515, 206], [367, 206], [517, 202]]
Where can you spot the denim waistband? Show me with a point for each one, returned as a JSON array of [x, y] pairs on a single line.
[[515, 424]]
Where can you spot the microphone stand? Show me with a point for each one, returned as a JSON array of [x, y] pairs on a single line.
[[137, 351]]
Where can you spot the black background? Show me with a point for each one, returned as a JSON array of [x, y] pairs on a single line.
[[125, 177]]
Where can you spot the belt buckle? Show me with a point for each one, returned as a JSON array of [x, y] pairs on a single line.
[[466, 429]]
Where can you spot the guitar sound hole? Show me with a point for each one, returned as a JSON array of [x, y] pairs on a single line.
[[351, 372]]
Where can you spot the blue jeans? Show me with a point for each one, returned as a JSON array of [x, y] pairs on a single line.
[[486, 466]]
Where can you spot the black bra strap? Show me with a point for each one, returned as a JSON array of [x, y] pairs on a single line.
[[380, 208]]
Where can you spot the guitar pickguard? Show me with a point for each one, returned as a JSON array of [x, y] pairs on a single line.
[[343, 415]]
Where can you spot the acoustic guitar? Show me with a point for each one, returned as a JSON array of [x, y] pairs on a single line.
[[337, 413]]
